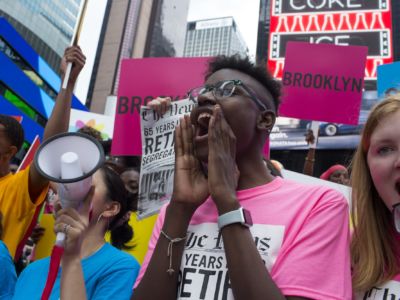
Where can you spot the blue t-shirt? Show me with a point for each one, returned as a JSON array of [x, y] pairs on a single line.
[[109, 274], [8, 277]]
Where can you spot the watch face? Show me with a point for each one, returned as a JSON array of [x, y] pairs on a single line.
[[247, 217]]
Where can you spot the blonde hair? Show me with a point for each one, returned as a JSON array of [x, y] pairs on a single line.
[[373, 254]]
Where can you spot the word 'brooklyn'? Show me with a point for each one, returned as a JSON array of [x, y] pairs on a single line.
[[325, 82]]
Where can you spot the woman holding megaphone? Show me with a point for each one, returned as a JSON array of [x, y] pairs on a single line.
[[90, 267]]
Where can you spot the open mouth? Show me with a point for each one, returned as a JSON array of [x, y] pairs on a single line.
[[203, 121]]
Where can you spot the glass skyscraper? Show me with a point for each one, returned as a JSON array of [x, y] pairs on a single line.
[[167, 30], [47, 25], [214, 37]]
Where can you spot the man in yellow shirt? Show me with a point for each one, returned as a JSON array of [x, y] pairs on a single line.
[[22, 193]]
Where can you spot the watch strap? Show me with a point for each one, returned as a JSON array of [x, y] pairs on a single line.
[[234, 216]]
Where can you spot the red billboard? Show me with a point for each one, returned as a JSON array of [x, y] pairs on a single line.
[[339, 22]]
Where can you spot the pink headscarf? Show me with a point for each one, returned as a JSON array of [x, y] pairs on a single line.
[[332, 169]]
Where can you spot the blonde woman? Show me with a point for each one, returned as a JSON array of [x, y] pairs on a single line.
[[376, 195]]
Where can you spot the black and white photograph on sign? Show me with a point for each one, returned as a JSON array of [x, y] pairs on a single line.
[[158, 160]]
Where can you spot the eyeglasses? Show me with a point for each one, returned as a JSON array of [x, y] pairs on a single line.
[[396, 216], [225, 89]]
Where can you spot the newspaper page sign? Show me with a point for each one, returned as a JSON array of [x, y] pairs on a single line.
[[323, 82], [158, 159], [142, 80]]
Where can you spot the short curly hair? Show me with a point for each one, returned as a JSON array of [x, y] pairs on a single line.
[[91, 132], [244, 65], [13, 130]]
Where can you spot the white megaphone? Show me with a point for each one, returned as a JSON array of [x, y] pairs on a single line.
[[69, 159]]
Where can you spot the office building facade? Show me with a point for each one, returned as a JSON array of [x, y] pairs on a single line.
[[167, 28], [134, 29], [116, 43], [213, 37]]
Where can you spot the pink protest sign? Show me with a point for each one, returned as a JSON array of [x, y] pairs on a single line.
[[142, 80], [323, 82]]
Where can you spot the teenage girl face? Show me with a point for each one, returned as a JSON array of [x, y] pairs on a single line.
[[383, 159]]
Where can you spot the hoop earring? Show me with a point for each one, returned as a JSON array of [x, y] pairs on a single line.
[[99, 218]]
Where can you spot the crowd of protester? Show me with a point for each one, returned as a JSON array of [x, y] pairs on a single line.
[[234, 228]]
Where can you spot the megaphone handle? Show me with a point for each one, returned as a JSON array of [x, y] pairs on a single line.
[[60, 238], [66, 77]]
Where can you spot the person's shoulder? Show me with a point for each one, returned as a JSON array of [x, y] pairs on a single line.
[[20, 176], [4, 253], [8, 180], [36, 267], [43, 262], [4, 179], [22, 173], [120, 257], [317, 191], [3, 247], [307, 186]]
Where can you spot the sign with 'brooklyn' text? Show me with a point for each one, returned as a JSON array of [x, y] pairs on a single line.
[[323, 82], [142, 80]]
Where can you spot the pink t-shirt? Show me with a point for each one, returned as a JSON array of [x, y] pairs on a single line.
[[301, 232]]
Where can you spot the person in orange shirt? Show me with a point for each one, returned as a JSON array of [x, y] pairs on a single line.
[[22, 193]]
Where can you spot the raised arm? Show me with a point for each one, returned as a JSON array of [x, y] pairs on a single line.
[[59, 118], [308, 168]]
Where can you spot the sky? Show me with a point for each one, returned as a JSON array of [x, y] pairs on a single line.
[[88, 41], [245, 13]]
